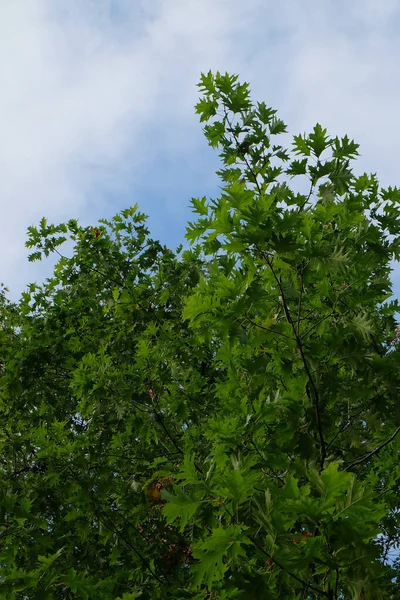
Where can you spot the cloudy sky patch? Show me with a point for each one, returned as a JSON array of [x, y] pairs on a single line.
[[96, 109]]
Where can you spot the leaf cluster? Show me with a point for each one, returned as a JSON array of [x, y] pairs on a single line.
[[218, 422]]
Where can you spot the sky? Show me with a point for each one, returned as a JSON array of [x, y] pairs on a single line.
[[97, 96]]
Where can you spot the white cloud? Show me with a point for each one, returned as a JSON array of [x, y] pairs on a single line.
[[95, 93], [76, 94], [346, 75]]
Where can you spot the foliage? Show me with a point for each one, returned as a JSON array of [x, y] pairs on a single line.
[[220, 421]]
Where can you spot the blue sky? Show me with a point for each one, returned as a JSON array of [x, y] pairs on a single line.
[[96, 109]]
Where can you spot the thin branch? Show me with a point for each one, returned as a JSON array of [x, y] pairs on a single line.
[[300, 300], [277, 563], [268, 329], [351, 419], [154, 397], [304, 360], [145, 563], [293, 575], [321, 320], [337, 584], [168, 434], [93, 269], [313, 182], [361, 460], [231, 130], [264, 460]]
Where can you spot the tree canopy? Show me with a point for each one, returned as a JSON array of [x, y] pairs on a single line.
[[220, 421]]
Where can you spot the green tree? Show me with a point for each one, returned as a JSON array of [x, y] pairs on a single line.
[[215, 422]]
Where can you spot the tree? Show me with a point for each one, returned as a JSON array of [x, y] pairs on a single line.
[[220, 421]]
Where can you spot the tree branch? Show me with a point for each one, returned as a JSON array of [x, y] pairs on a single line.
[[361, 460], [316, 401], [300, 300], [268, 329], [293, 575]]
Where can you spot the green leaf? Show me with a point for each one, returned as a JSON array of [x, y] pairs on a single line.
[[217, 553], [206, 109], [258, 370], [215, 133], [291, 487], [26, 505], [301, 145], [334, 481], [179, 506], [265, 114], [363, 325], [78, 583], [45, 562], [207, 83], [318, 140], [297, 167], [277, 126]]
